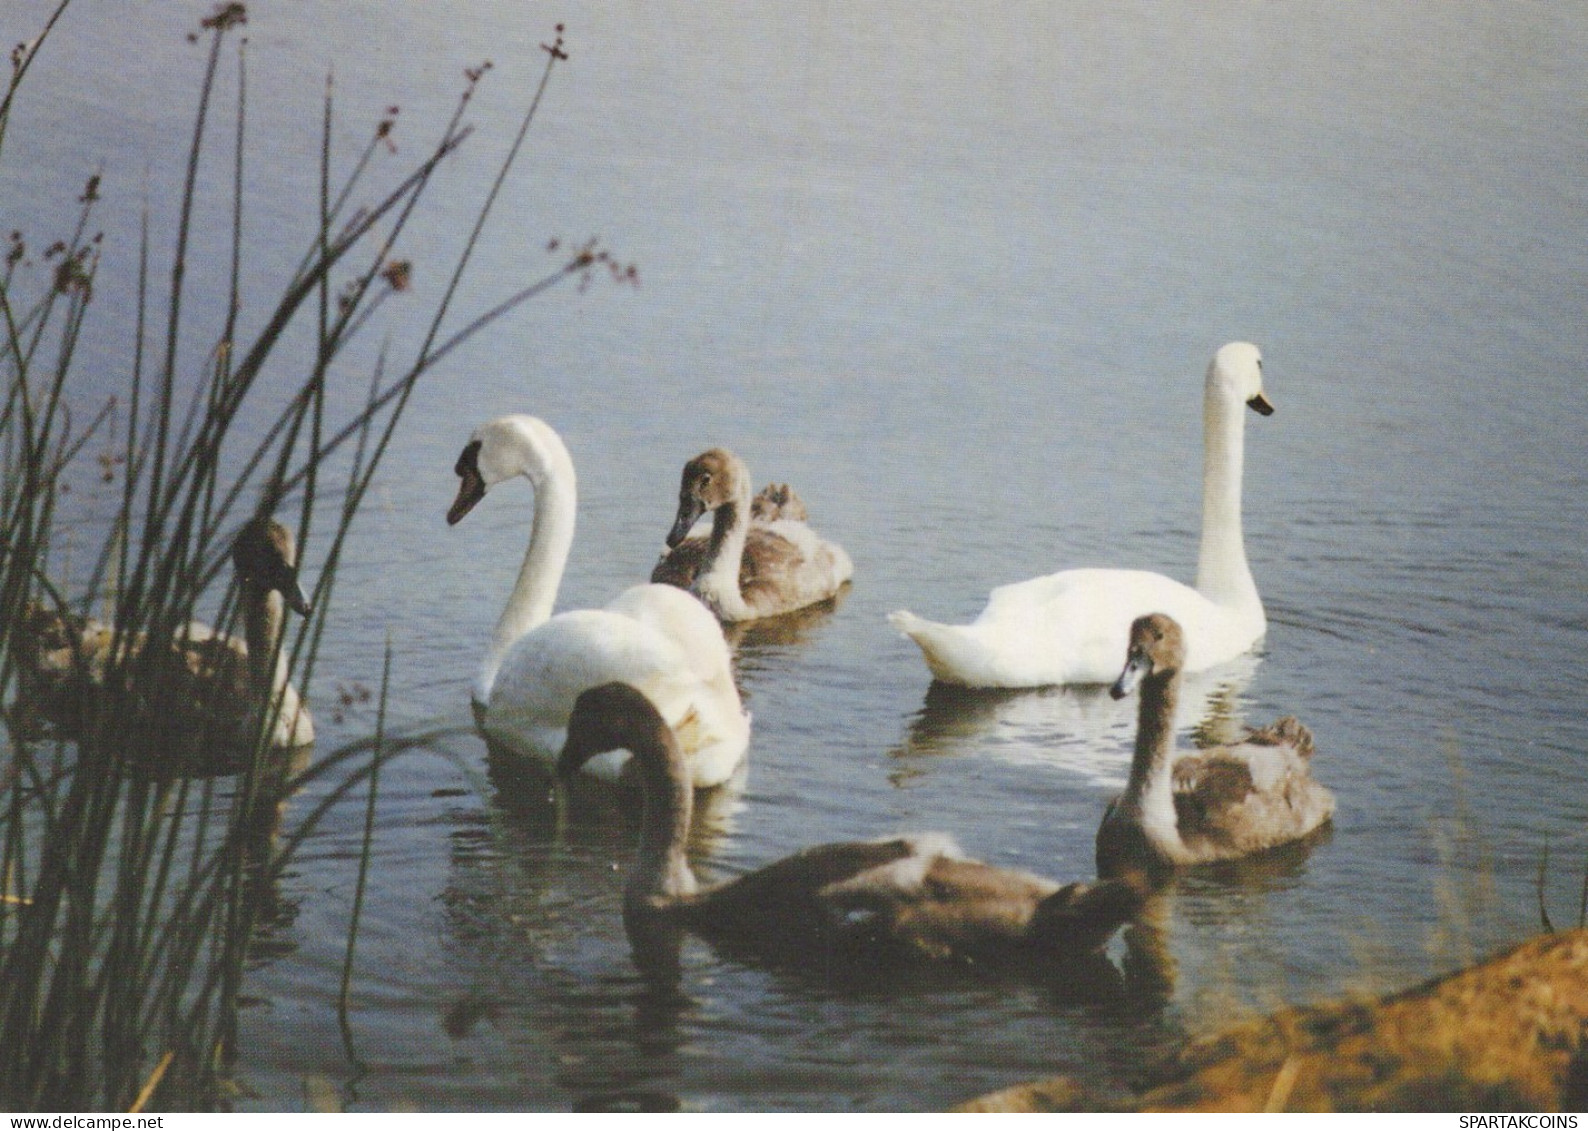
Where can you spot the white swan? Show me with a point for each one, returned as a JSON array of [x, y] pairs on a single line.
[[654, 636], [913, 896], [1071, 627], [1215, 804], [761, 559]]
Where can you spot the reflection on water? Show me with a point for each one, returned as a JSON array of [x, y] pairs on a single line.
[[752, 641], [1276, 870], [551, 834], [1218, 899], [1149, 965], [537, 895], [1079, 730], [548, 949], [545, 809], [275, 910], [623, 1005]]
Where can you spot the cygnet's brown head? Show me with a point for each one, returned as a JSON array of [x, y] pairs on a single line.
[[712, 479], [778, 501], [1157, 650], [609, 717], [265, 555], [1083, 917]]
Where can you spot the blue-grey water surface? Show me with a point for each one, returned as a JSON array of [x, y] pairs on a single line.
[[955, 272]]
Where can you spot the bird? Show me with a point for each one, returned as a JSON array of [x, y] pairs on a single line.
[[655, 636], [213, 684], [252, 670], [910, 896], [1215, 804], [747, 569], [1070, 627]]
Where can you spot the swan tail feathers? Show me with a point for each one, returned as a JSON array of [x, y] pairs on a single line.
[[843, 567], [951, 653], [906, 622]]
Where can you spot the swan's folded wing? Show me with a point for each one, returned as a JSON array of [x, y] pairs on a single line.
[[942, 906], [787, 567], [683, 625], [686, 674], [547, 668], [802, 893], [1249, 797], [1214, 773]]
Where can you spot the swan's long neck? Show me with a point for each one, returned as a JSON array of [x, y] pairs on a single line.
[[718, 583], [1223, 575], [661, 874], [1150, 791], [535, 592], [263, 614]]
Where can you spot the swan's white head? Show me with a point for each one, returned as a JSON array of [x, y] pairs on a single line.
[[1237, 372], [506, 447]]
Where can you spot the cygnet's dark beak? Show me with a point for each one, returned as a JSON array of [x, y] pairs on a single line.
[[1136, 666], [297, 599], [1261, 405], [689, 510]]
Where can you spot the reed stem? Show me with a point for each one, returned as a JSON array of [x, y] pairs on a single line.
[[141, 840]]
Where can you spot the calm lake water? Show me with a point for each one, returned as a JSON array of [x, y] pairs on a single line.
[[955, 272]]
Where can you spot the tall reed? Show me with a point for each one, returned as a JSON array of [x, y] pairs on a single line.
[[130, 877]]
